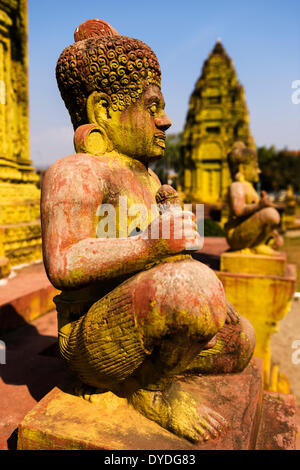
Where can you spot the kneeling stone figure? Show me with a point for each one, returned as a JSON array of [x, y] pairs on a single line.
[[134, 311]]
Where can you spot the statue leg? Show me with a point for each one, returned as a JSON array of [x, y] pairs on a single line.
[[255, 230], [232, 350], [135, 340], [190, 297]]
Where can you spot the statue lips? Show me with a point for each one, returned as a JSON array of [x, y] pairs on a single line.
[[159, 139]]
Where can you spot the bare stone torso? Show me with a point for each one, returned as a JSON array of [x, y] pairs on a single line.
[[116, 177]]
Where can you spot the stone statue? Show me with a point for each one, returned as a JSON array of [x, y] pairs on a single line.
[[253, 221], [134, 311], [289, 214]]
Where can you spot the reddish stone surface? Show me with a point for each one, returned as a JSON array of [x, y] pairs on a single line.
[[278, 427], [214, 245], [32, 369], [25, 297], [212, 249], [63, 421], [297, 428]]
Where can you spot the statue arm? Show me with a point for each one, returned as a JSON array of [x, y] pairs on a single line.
[[73, 255], [237, 200]]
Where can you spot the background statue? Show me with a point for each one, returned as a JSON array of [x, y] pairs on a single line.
[[135, 311], [252, 220]]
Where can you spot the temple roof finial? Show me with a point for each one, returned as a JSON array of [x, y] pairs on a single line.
[[218, 48]]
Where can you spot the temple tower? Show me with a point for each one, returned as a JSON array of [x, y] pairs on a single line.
[[216, 118], [20, 235]]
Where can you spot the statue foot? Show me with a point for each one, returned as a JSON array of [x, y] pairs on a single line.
[[87, 392], [264, 250], [176, 411], [276, 241]]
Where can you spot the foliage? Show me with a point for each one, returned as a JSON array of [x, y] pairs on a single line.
[[279, 168], [212, 229]]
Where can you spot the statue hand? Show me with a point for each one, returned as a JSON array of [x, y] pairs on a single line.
[[175, 230], [232, 315], [265, 200]]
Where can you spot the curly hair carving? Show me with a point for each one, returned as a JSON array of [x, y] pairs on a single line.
[[102, 60]]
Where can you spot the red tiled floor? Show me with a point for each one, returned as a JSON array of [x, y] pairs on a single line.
[[28, 374]]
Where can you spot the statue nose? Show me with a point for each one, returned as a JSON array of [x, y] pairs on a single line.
[[163, 122]]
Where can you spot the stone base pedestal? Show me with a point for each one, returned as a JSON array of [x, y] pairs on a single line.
[[64, 421], [277, 429], [4, 267], [20, 226], [239, 262], [261, 289]]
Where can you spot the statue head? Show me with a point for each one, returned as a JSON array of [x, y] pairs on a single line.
[[113, 82], [243, 163]]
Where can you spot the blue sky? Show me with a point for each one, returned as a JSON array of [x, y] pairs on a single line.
[[261, 36]]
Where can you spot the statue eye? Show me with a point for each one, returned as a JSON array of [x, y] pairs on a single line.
[[153, 108]]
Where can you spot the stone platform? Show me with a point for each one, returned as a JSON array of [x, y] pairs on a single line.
[[25, 296], [235, 262], [261, 288], [63, 421]]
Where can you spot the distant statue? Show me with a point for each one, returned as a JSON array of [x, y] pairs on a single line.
[[253, 221], [289, 214], [135, 309]]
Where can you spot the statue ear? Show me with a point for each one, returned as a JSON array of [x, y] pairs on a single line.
[[98, 107], [239, 176], [91, 138]]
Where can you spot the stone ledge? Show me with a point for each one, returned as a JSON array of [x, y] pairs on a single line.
[[248, 263], [264, 300], [278, 427], [4, 267], [63, 421]]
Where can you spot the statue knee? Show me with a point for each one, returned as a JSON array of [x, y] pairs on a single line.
[[270, 216], [179, 299]]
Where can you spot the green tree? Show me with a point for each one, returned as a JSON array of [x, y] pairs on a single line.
[[279, 168]]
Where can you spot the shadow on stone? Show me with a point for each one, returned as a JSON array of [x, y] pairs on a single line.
[[12, 441], [213, 261], [10, 319], [32, 359]]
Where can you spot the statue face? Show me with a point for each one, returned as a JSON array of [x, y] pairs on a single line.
[[139, 130], [251, 171]]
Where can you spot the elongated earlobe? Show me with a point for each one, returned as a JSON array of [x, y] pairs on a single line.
[[90, 138], [239, 176]]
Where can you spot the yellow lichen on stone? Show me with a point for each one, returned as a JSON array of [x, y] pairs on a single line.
[[264, 298], [19, 195], [217, 116]]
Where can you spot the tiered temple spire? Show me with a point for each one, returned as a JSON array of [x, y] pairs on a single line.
[[216, 118]]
